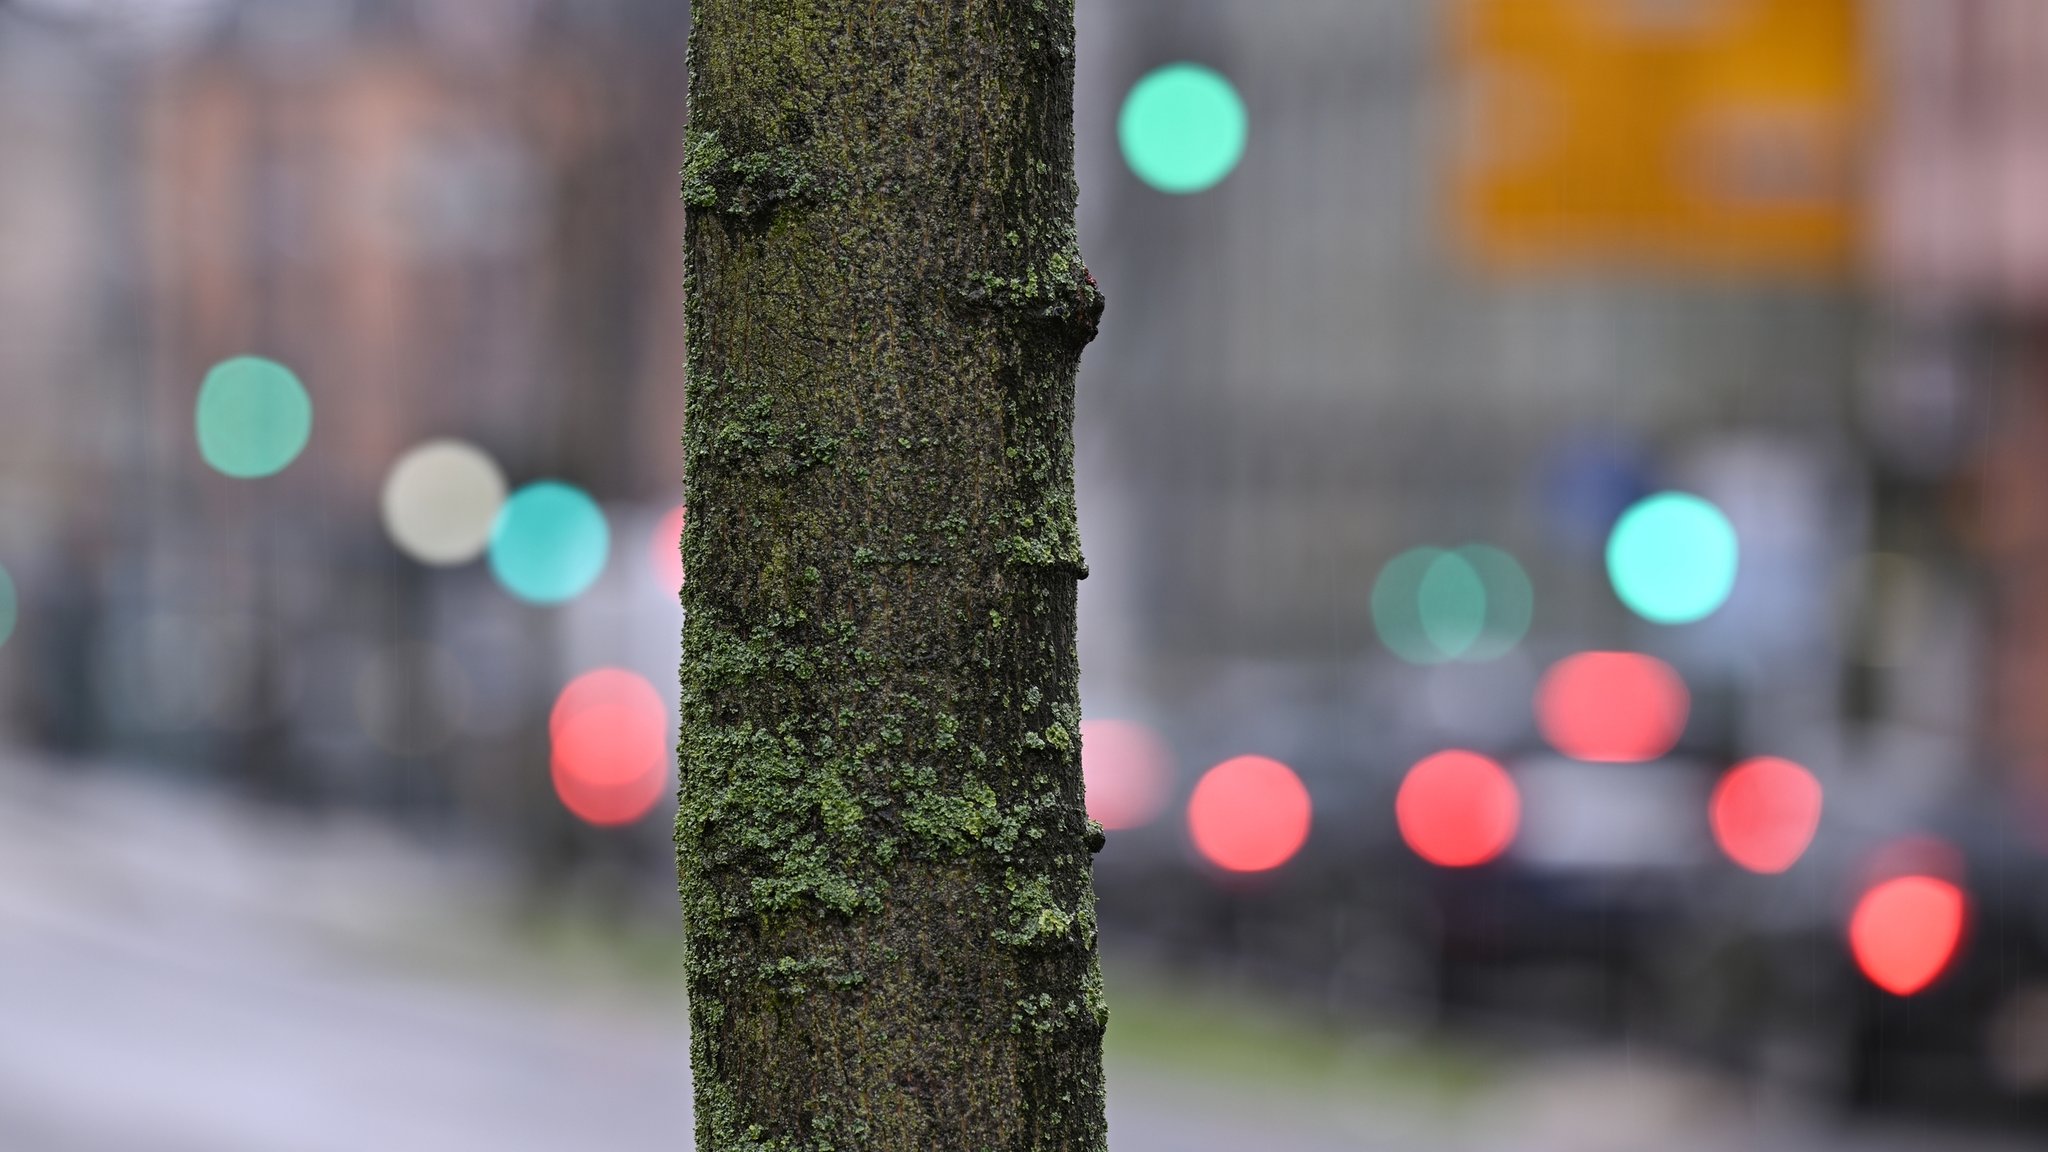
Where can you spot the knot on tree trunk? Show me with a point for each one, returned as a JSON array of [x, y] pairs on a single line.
[[1062, 297]]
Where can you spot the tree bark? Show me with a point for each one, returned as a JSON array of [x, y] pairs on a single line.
[[882, 850]]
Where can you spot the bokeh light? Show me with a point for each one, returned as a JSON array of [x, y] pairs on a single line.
[[608, 806], [1182, 128], [1764, 813], [609, 733], [666, 549], [1672, 558], [1510, 601], [549, 543], [440, 501], [1615, 707], [609, 726], [1249, 814], [10, 606], [1126, 770], [1430, 605], [1396, 606], [253, 417], [1905, 931], [1458, 809], [1451, 603]]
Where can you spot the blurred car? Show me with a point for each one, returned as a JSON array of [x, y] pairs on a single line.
[[1823, 988], [1566, 923]]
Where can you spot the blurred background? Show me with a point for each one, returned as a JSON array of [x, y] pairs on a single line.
[[1565, 485]]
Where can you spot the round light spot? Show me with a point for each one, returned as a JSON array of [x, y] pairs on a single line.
[[1182, 128], [1397, 610], [1126, 769], [1451, 603], [609, 732], [609, 727], [1458, 809], [666, 549], [1616, 707], [440, 501], [1764, 813], [1905, 931], [609, 806], [1249, 814], [10, 606], [253, 417], [1510, 601], [549, 543], [1672, 558], [1430, 605]]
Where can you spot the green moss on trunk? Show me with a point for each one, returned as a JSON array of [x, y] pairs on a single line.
[[882, 850]]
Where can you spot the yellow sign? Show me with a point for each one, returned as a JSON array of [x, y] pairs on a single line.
[[1701, 133]]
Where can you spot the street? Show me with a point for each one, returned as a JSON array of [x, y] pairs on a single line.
[[179, 974]]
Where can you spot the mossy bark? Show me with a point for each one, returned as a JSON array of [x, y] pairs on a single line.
[[882, 849]]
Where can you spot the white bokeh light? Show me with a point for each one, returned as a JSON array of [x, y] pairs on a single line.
[[440, 501]]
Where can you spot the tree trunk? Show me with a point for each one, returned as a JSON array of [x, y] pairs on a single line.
[[883, 855]]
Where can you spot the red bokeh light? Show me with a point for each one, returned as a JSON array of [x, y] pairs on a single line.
[[1458, 809], [609, 727], [666, 549], [1905, 931], [1127, 772], [1764, 813], [610, 736], [1612, 707], [608, 806], [1249, 814]]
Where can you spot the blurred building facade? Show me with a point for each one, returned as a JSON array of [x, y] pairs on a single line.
[[1959, 248], [451, 219], [1798, 280], [1316, 367]]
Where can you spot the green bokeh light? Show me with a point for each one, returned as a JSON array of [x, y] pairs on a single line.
[[1672, 558], [10, 606], [1510, 601], [1452, 604], [1182, 128], [550, 543], [253, 417], [1431, 605], [1397, 609]]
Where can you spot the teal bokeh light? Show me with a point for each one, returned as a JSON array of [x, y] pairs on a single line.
[[1672, 558], [1451, 603], [1510, 601], [550, 543], [253, 417], [1397, 606], [1182, 128], [10, 607], [1430, 605]]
